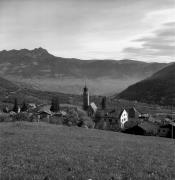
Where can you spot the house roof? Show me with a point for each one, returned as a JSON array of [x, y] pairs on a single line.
[[130, 124], [122, 112], [135, 110], [93, 106], [147, 126], [134, 129], [45, 109], [112, 112], [169, 125], [62, 113], [32, 104]]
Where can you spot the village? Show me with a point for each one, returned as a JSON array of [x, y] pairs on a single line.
[[89, 115]]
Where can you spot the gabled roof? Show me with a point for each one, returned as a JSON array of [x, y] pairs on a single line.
[[93, 106], [61, 113], [122, 112], [114, 112], [45, 109], [135, 110], [147, 126], [168, 125], [32, 105]]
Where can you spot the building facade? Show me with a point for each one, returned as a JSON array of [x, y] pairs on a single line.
[[123, 118]]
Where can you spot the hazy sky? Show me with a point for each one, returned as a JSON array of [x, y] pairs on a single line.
[[91, 29]]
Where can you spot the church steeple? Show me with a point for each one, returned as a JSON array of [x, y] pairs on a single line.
[[85, 87], [85, 97]]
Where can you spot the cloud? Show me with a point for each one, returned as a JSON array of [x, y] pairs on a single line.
[[84, 28], [160, 43]]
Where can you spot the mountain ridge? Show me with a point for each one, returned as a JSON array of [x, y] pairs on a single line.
[[159, 88], [38, 65]]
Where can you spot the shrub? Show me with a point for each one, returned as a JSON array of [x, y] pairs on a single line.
[[56, 120], [55, 105], [21, 117], [72, 118], [24, 107], [5, 118], [86, 122], [33, 117], [15, 107]]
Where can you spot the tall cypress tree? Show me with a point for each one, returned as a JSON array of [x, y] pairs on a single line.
[[55, 104], [15, 107], [24, 107], [103, 103]]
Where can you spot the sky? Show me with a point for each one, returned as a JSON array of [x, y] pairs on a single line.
[[91, 29]]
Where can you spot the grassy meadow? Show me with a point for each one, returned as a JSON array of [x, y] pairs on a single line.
[[36, 150]]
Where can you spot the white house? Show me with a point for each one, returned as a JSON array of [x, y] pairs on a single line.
[[123, 118]]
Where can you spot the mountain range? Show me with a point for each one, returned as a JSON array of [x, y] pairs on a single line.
[[159, 88], [41, 70]]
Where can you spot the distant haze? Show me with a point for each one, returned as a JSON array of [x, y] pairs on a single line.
[[41, 70], [91, 29]]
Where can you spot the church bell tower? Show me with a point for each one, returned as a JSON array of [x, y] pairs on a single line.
[[85, 97]]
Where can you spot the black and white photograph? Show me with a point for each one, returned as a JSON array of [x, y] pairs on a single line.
[[87, 89]]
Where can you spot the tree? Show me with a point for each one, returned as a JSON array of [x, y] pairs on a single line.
[[24, 107], [15, 107], [103, 103], [55, 105], [6, 109]]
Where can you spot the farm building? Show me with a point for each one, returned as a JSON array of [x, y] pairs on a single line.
[[44, 112], [113, 120], [137, 130], [143, 128], [149, 128], [167, 130]]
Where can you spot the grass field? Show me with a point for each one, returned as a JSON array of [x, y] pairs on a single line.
[[35, 150]]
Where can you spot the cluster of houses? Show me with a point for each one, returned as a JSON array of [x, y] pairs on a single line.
[[127, 120], [119, 119], [33, 112]]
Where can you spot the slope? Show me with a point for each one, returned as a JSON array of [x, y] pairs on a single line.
[[37, 150], [159, 88]]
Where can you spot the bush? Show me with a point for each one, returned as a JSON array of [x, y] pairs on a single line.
[[56, 120], [33, 117], [86, 122], [5, 118], [72, 118], [21, 117], [78, 117]]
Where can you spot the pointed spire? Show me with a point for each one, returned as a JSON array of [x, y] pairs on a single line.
[[85, 86]]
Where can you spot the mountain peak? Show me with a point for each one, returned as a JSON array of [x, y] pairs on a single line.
[[40, 50], [37, 52]]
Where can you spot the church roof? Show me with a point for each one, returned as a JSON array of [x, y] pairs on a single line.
[[93, 106]]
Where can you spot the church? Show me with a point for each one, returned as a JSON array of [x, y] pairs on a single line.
[[85, 98], [91, 108]]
